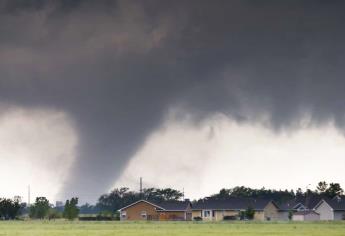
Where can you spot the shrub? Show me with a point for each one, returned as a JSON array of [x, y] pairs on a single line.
[[116, 216], [249, 213], [197, 218], [290, 214], [242, 215], [54, 214]]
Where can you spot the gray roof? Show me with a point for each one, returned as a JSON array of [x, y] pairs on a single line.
[[308, 202], [173, 205], [230, 204], [337, 203], [289, 205]]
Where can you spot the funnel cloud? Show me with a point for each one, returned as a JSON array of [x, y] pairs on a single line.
[[118, 67]]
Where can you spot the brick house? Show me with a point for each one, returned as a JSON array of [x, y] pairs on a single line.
[[149, 210]]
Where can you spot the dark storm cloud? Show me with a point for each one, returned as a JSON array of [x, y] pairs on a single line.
[[117, 67]]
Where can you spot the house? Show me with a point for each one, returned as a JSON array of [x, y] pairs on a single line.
[[149, 210], [301, 203], [307, 215], [331, 209], [220, 209], [298, 204]]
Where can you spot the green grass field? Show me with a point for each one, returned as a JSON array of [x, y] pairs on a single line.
[[42, 228]]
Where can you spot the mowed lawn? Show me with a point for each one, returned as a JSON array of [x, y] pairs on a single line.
[[42, 228]]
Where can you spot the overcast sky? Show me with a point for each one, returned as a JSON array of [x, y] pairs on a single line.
[[197, 95]]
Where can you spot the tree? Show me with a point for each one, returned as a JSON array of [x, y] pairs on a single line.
[[40, 209], [117, 199], [169, 194], [223, 193], [9, 209], [321, 187], [290, 214], [71, 210], [88, 209], [333, 190], [299, 193]]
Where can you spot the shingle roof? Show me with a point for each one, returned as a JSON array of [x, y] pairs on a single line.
[[289, 205], [308, 202], [337, 203], [230, 204], [173, 205], [311, 202]]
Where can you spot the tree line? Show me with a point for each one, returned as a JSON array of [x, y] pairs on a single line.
[[121, 197], [41, 209], [322, 189], [108, 204]]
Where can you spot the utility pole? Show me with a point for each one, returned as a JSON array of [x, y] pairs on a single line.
[[306, 197], [28, 195], [141, 187]]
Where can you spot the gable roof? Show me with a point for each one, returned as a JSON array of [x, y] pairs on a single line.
[[337, 203], [311, 202], [134, 203], [174, 205], [291, 205], [231, 204], [307, 202], [164, 205]]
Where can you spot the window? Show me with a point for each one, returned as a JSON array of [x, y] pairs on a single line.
[[143, 214], [207, 213], [123, 214]]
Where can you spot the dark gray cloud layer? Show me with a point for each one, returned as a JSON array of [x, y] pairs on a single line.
[[116, 67]]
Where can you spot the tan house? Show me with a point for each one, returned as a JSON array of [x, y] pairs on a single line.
[[147, 210], [220, 209]]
